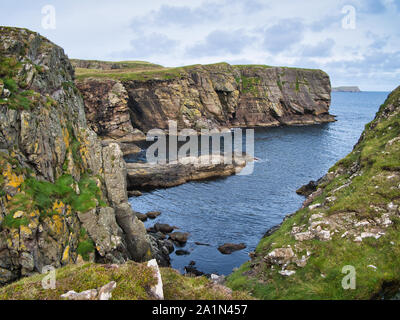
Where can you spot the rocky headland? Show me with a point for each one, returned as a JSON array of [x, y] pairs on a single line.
[[126, 102]]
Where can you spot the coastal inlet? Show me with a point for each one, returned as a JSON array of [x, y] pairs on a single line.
[[239, 209]]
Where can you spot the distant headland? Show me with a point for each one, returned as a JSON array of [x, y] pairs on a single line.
[[346, 89]]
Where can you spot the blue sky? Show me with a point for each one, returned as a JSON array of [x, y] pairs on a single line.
[[302, 33]]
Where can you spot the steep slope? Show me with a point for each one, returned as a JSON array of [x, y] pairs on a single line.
[[203, 97], [352, 219], [63, 193]]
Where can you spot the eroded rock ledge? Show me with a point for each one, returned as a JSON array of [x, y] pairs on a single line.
[[152, 176]]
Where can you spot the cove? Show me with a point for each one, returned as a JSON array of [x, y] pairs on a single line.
[[242, 208]]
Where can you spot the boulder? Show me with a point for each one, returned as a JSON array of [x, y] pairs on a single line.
[[180, 237], [229, 248], [142, 217], [164, 228]]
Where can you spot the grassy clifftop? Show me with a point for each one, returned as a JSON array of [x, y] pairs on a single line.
[[133, 283], [352, 219]]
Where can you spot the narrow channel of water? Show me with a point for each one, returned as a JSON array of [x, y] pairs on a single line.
[[241, 208]]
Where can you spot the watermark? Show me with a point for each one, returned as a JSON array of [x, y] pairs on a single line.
[[49, 281], [49, 19], [350, 19], [349, 281], [206, 147]]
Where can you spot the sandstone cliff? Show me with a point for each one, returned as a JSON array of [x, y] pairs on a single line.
[[345, 241], [63, 193], [121, 102]]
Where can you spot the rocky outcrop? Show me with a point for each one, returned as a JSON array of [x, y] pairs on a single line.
[[152, 176], [206, 96], [63, 192], [348, 222]]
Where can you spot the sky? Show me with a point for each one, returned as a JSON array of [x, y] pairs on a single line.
[[357, 42]]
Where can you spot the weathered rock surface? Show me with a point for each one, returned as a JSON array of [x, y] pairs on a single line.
[[151, 176], [63, 192], [207, 96]]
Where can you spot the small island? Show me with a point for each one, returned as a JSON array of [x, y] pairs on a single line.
[[346, 89]]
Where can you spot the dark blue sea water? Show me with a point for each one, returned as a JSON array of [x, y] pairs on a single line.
[[242, 208]]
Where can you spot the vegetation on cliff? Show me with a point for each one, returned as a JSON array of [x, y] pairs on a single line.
[[351, 220]]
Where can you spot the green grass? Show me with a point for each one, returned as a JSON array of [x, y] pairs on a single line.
[[84, 248], [41, 195], [11, 222]]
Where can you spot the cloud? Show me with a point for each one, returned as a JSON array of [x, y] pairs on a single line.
[[148, 45], [221, 42], [326, 22], [373, 6], [322, 49], [283, 35], [183, 16]]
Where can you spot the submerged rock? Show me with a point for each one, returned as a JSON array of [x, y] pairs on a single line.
[[182, 252], [229, 248], [153, 214]]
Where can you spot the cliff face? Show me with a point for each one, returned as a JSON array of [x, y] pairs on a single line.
[[349, 224], [207, 96], [63, 193]]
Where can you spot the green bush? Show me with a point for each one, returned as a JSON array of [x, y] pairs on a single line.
[[84, 248]]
